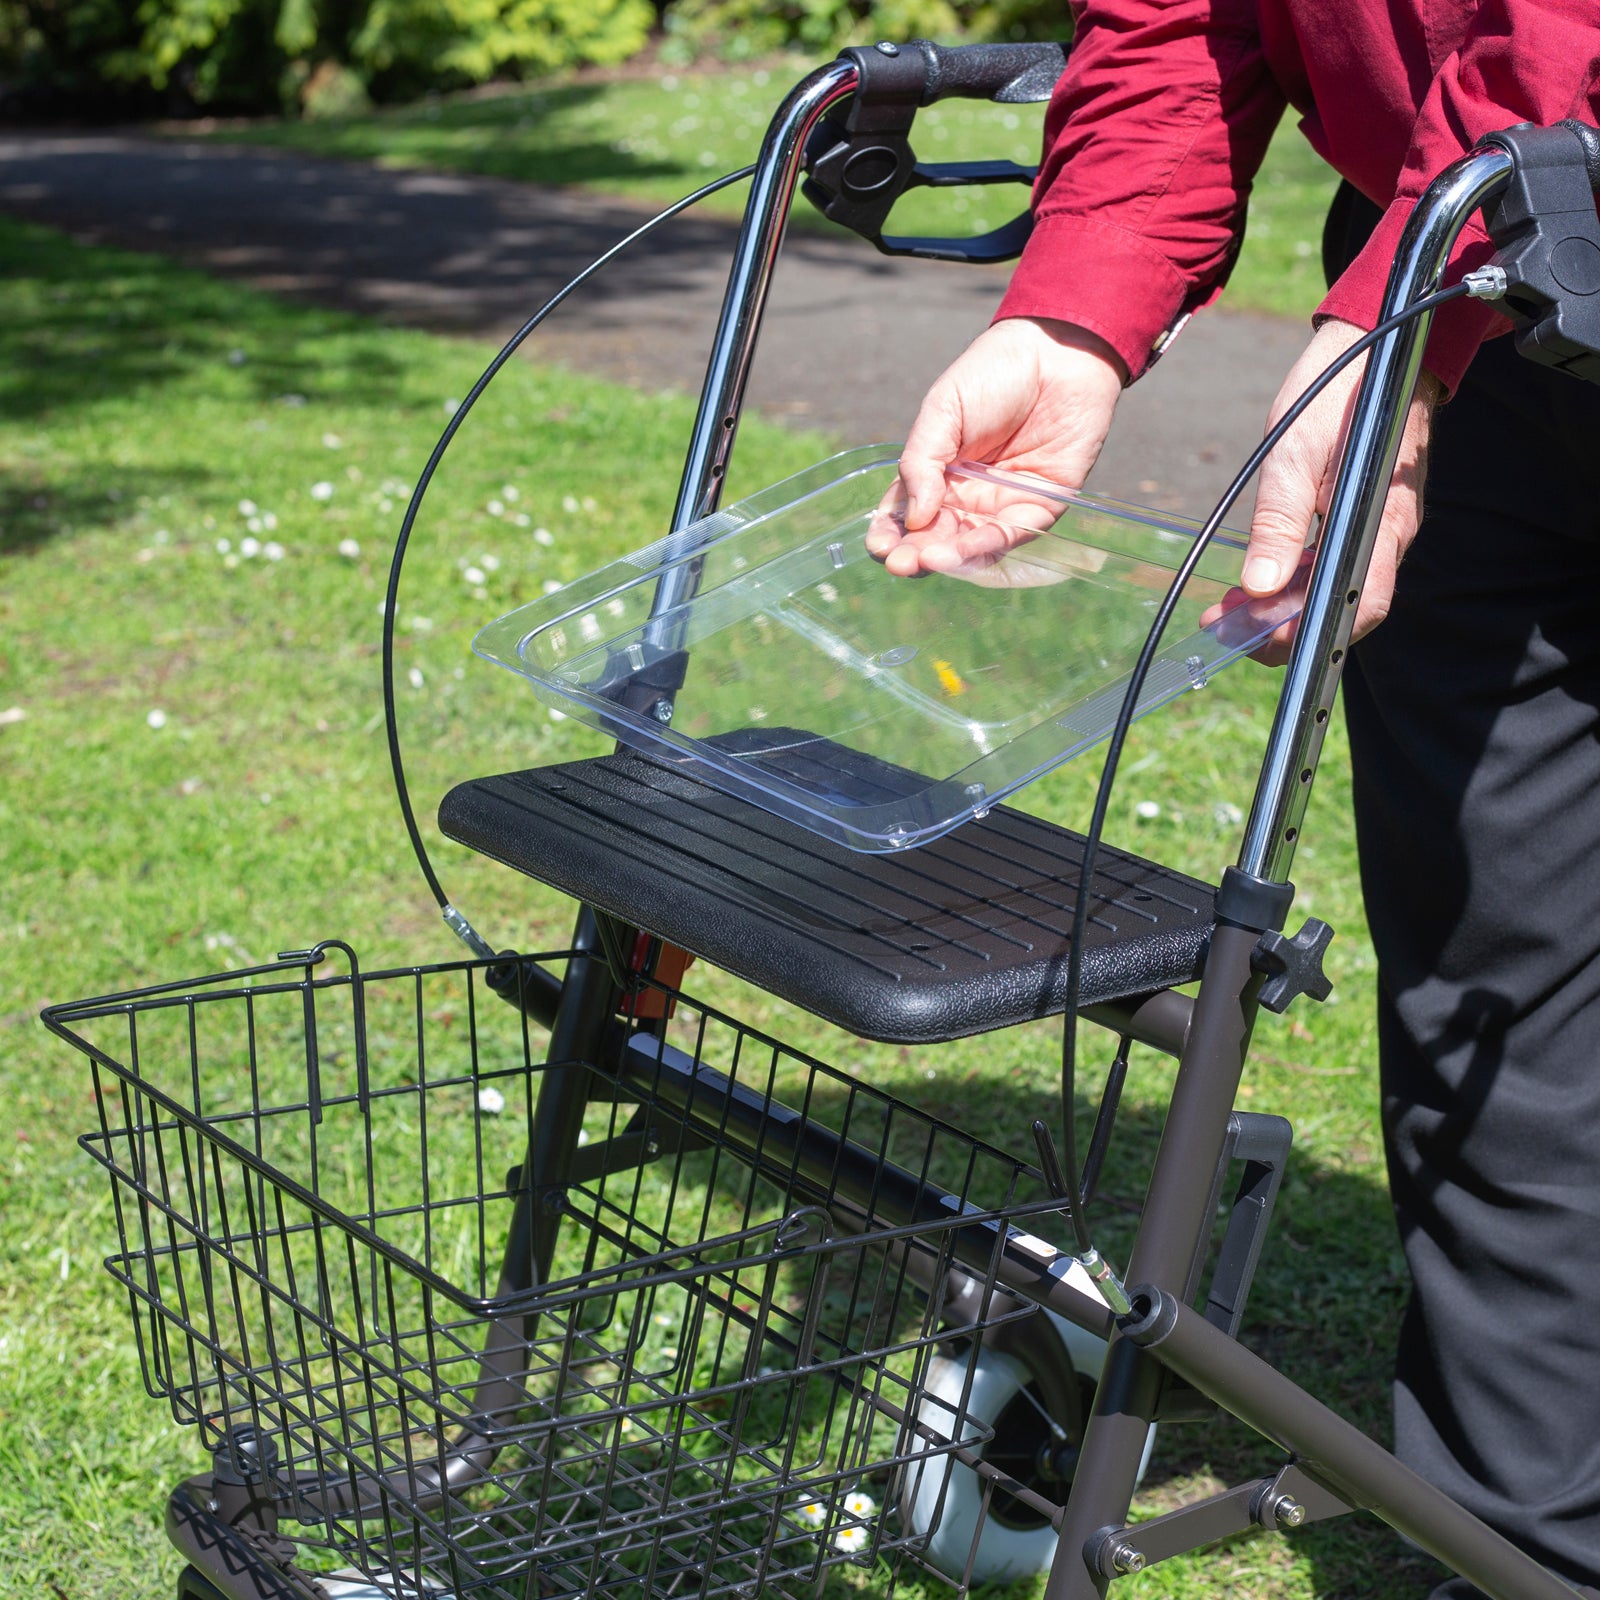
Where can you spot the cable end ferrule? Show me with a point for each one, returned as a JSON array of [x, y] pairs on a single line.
[[1106, 1281], [1486, 283], [468, 935]]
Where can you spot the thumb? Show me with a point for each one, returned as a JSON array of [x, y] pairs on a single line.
[[933, 443], [1286, 502]]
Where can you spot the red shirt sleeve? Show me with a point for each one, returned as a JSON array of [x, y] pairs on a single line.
[[1519, 60], [1152, 137]]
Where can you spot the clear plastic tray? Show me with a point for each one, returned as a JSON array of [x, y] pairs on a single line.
[[766, 651]]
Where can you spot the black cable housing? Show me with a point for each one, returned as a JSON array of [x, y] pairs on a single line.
[[452, 428], [1125, 716]]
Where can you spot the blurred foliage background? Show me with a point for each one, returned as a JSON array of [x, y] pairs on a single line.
[[334, 58]]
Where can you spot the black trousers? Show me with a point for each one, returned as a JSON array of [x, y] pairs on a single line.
[[1474, 717]]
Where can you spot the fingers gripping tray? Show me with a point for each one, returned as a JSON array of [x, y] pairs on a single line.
[[761, 647], [770, 654]]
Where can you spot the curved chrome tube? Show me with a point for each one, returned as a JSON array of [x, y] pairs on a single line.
[[1351, 525], [766, 218]]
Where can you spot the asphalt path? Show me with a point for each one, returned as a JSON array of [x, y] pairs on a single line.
[[850, 342]]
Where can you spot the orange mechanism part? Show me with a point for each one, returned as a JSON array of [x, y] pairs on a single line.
[[647, 1002]]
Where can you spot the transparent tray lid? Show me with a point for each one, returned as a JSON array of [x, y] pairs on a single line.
[[765, 650]]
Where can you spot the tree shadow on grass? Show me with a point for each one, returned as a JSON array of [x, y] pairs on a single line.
[[34, 511], [96, 325]]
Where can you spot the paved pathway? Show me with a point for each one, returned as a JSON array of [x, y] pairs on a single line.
[[851, 340]]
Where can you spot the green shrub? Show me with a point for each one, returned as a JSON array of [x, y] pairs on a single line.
[[735, 30], [332, 92], [325, 56], [410, 45]]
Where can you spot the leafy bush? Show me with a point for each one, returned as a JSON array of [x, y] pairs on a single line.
[[739, 29], [331, 57], [326, 56], [409, 45]]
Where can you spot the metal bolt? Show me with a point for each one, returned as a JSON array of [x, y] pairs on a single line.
[[1288, 1513], [887, 47], [213, 1505], [554, 1201], [1127, 1559], [662, 711]]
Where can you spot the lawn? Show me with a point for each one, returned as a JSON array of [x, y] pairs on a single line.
[[198, 488], [652, 139]]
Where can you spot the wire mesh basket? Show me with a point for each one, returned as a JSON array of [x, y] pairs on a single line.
[[330, 1223]]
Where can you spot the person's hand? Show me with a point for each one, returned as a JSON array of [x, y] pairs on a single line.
[[1029, 395], [1297, 477]]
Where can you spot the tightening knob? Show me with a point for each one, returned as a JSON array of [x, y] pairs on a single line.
[[1293, 966]]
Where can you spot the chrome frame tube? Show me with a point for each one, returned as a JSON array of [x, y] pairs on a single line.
[[766, 219], [1350, 527]]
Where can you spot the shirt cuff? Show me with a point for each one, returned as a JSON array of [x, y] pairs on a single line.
[[1458, 328], [1102, 278]]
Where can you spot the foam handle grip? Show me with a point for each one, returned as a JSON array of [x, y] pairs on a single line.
[[1013, 74]]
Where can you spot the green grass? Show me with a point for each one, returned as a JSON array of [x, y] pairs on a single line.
[[147, 415], [654, 139]]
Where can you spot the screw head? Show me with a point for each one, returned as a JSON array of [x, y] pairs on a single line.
[[887, 47], [1126, 1559], [1288, 1513], [662, 711]]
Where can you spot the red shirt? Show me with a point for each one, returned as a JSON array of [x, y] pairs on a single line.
[[1164, 112]]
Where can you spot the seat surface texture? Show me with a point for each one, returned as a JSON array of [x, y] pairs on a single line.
[[960, 936]]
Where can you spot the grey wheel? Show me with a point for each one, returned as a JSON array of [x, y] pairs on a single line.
[[1034, 1396]]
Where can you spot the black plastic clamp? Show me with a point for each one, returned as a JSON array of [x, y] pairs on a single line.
[[1293, 967], [647, 682], [1252, 902], [1547, 242], [859, 159]]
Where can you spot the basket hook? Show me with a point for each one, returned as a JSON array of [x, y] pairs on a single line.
[[358, 1013]]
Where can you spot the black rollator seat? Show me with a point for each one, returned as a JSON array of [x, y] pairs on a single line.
[[963, 935]]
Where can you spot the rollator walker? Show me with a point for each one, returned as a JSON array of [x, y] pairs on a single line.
[[530, 1277]]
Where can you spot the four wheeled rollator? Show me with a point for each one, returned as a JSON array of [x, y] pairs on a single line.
[[527, 1276]]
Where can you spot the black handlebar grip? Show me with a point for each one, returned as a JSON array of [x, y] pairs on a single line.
[[1589, 138], [1011, 74], [919, 72]]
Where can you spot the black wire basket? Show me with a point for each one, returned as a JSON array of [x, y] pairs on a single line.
[[329, 1218]]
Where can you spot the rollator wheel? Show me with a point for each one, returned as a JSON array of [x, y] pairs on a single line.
[[1035, 1396], [191, 1586]]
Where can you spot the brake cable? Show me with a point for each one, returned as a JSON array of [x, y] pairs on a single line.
[[454, 919], [1074, 1205]]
